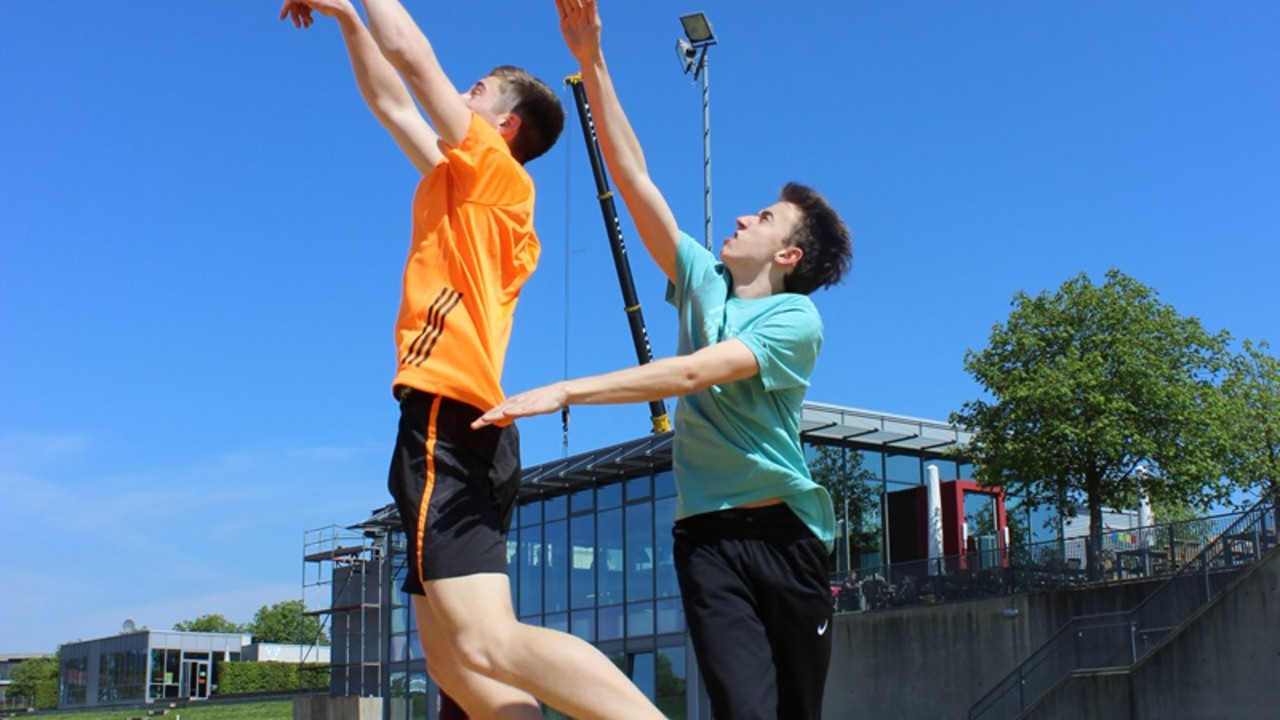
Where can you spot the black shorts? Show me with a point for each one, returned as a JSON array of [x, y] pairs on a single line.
[[755, 593], [455, 488]]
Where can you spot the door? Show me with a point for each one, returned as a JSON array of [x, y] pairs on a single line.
[[197, 678]]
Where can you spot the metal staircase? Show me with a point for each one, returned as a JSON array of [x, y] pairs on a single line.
[[1119, 640]]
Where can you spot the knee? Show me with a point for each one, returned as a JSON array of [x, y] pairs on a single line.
[[479, 651]]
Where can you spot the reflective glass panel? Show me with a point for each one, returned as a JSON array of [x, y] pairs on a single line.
[[582, 501], [582, 566], [665, 571], [670, 616], [640, 552], [640, 618], [555, 508], [556, 571], [664, 484], [608, 496], [609, 557], [583, 624], [904, 468], [530, 571], [642, 673], [671, 683], [611, 622]]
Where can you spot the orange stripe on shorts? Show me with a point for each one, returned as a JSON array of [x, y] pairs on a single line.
[[424, 508]]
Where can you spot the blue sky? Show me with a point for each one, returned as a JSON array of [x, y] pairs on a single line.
[[202, 231]]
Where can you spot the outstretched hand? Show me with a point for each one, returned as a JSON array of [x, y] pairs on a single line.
[[580, 25], [540, 401], [300, 10]]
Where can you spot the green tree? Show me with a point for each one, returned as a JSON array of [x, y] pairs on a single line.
[[209, 623], [287, 622], [32, 678], [840, 471], [1086, 385], [1252, 390]]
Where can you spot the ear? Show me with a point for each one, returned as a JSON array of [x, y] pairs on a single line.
[[788, 257], [508, 126]]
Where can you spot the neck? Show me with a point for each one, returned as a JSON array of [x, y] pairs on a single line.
[[762, 283]]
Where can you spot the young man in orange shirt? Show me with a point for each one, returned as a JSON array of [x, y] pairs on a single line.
[[473, 248]]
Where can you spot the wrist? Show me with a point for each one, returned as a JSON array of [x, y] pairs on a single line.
[[565, 392]]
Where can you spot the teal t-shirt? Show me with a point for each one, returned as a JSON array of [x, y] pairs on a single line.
[[739, 443]]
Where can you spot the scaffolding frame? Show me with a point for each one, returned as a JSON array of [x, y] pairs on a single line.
[[342, 579]]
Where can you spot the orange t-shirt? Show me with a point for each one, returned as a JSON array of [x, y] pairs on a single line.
[[473, 248]]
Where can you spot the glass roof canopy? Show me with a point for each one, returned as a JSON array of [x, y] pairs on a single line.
[[819, 424]]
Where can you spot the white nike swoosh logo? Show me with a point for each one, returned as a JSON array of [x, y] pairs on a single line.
[[822, 629]]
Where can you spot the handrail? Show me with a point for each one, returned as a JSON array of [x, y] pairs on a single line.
[[1122, 639]]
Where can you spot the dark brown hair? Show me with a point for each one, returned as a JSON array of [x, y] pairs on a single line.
[[823, 238], [539, 110]]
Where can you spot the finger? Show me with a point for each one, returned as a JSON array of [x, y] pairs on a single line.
[[562, 7]]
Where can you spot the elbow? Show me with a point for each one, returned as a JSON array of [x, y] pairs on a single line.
[[397, 47], [691, 379], [397, 55]]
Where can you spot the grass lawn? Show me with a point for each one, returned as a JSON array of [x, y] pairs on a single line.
[[274, 710]]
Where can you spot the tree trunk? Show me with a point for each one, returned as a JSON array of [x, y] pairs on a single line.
[[1093, 548]]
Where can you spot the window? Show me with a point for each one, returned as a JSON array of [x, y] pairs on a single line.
[[530, 570], [665, 572], [556, 571], [609, 567], [670, 682], [904, 468], [639, 551], [582, 565]]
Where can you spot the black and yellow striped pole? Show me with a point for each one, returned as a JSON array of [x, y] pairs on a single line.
[[613, 226]]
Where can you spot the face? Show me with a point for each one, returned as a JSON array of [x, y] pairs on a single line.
[[485, 99], [761, 237]]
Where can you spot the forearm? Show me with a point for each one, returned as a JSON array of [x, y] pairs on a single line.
[[394, 31], [668, 377], [379, 84], [618, 141], [649, 211], [676, 376], [405, 46]]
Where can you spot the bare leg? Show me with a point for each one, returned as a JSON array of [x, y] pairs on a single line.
[[480, 696], [562, 670]]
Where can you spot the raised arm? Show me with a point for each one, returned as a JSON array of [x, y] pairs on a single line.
[[409, 51], [717, 364], [580, 24], [379, 84]]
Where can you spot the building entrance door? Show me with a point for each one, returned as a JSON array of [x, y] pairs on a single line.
[[197, 678]]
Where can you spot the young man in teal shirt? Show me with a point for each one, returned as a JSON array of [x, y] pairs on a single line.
[[753, 532]]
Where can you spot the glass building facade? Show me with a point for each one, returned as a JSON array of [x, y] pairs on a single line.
[[590, 548]]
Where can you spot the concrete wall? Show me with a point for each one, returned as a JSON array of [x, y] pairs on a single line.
[[1101, 695], [1226, 664], [326, 707], [938, 660]]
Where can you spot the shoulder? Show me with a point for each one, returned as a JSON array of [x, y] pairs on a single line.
[[795, 308]]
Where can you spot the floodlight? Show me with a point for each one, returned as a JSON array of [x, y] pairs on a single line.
[[685, 54], [698, 29], [692, 54]]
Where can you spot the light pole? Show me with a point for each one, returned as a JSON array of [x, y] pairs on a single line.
[[692, 53]]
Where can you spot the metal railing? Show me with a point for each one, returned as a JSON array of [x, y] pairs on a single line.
[[1122, 639], [1145, 552]]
